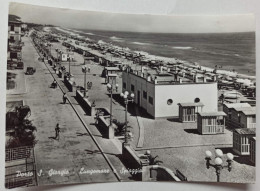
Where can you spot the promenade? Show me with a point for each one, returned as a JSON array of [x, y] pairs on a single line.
[[75, 149], [177, 144]]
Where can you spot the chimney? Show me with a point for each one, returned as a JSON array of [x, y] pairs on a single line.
[[161, 68], [142, 69], [204, 79], [155, 80], [148, 78], [215, 78], [195, 78], [168, 69], [180, 80]]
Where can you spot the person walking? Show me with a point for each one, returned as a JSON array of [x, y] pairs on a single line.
[[64, 98], [57, 131]]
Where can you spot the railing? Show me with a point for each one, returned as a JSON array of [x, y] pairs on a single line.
[[18, 153], [214, 128], [15, 182], [192, 117], [251, 125], [20, 168], [245, 148]]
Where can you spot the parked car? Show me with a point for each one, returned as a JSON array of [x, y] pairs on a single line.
[[30, 70], [20, 65]]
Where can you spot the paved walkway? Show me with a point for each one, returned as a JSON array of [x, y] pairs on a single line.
[[98, 92], [75, 149]]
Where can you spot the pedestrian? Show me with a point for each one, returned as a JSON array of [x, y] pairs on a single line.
[[54, 84], [64, 98], [57, 131], [88, 69]]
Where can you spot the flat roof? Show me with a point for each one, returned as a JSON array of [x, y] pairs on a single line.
[[190, 104], [251, 111], [236, 105], [246, 131], [112, 68], [217, 113], [244, 108]]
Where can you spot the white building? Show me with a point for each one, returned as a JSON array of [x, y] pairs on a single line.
[[14, 31], [160, 94]]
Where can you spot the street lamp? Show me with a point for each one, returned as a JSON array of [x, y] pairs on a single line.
[[219, 161], [110, 89], [127, 98], [84, 70]]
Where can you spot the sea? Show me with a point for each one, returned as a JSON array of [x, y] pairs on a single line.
[[228, 51]]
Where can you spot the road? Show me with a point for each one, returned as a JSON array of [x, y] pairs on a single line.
[[62, 161]]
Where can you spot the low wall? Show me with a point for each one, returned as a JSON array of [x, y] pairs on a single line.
[[132, 161], [68, 84], [158, 173], [105, 128], [85, 103]]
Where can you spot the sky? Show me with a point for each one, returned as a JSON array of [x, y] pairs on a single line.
[[80, 19]]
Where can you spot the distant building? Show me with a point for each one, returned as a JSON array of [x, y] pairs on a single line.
[[211, 122], [14, 38], [159, 93], [252, 142], [241, 137], [24, 27], [14, 30]]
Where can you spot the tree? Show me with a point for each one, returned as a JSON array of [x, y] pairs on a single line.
[[21, 129]]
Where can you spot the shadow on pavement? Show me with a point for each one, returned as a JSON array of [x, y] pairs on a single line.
[[193, 131], [175, 120]]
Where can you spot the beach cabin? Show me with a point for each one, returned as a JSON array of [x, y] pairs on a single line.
[[108, 71], [252, 149], [241, 137], [248, 118], [111, 78], [243, 117], [227, 108], [211, 122], [188, 111]]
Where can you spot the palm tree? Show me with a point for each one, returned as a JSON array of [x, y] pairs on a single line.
[[22, 129]]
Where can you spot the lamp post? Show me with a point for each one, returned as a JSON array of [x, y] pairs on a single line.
[[68, 50], [127, 98], [110, 89], [219, 162], [84, 70]]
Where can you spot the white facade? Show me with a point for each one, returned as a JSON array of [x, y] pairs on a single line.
[[14, 31], [161, 100]]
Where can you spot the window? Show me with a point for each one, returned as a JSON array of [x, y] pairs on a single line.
[[169, 101], [209, 121], [12, 27], [197, 100], [144, 94], [132, 88], [150, 100], [124, 85]]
